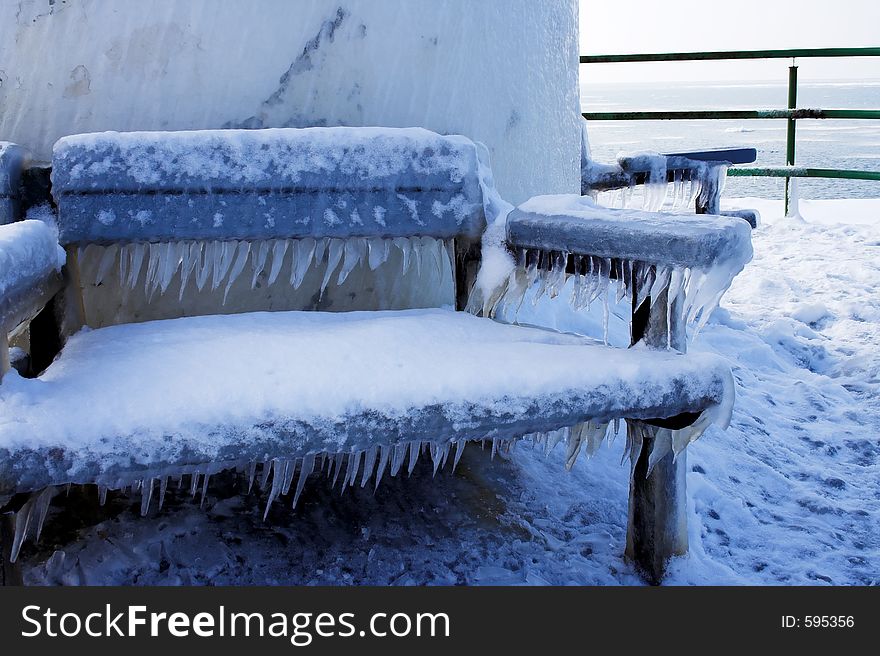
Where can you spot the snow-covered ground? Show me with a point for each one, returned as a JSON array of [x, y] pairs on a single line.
[[790, 494]]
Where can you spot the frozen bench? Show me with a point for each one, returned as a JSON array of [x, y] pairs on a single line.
[[376, 232]]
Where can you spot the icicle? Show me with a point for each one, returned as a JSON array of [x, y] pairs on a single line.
[[334, 256], [163, 488], [558, 274], [252, 473], [544, 265], [621, 281], [279, 250], [337, 463], [289, 471], [605, 319], [417, 254], [459, 449], [305, 470], [137, 261], [258, 263], [414, 450], [206, 263], [244, 250], [517, 288], [351, 467], [276, 486], [672, 291], [379, 250], [331, 464], [124, 262], [661, 281], [321, 246], [147, 496], [102, 495], [406, 251], [635, 433], [384, 454], [441, 255], [303, 255], [647, 276], [223, 256], [436, 456], [151, 279], [41, 507], [661, 446], [369, 463], [554, 438], [108, 258], [397, 458], [170, 261], [676, 189], [190, 260], [447, 447], [204, 489], [194, 483], [22, 523], [575, 442], [355, 251], [264, 475]]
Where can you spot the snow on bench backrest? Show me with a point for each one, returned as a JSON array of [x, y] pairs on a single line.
[[11, 162], [261, 184]]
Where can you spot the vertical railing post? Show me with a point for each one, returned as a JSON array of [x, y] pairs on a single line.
[[790, 134]]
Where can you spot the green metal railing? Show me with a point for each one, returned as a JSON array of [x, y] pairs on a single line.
[[791, 115]]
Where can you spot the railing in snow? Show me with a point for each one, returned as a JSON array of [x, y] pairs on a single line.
[[791, 115]]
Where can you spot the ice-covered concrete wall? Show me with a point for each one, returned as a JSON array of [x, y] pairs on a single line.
[[500, 71]]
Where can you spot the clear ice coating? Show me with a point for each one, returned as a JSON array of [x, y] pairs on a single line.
[[607, 281], [276, 475], [195, 263], [670, 183]]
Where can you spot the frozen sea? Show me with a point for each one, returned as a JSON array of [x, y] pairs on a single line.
[[841, 144]]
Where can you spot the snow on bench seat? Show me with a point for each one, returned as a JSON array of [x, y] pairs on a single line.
[[274, 183], [128, 401]]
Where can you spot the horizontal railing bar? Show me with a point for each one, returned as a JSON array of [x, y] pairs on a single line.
[[863, 114], [802, 172], [734, 54]]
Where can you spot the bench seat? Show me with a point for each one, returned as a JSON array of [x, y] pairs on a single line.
[[131, 401]]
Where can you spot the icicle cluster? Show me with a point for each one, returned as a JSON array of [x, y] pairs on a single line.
[[221, 263], [663, 441], [276, 476], [30, 518], [608, 280], [678, 195]]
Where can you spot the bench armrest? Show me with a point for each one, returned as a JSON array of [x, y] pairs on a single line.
[[703, 170], [30, 275], [12, 161], [574, 224], [686, 261]]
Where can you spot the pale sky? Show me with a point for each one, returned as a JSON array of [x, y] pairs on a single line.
[[648, 26]]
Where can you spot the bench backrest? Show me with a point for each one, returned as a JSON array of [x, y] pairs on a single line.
[[12, 158], [348, 199]]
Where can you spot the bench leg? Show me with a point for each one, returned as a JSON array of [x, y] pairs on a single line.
[[10, 573], [657, 528]]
